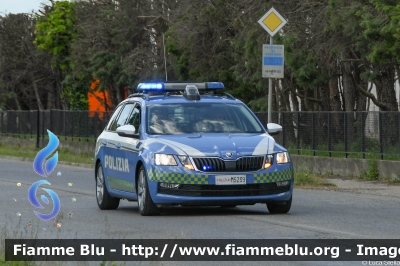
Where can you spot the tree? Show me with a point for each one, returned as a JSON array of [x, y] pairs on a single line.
[[333, 50], [202, 46], [119, 44], [56, 32], [25, 72]]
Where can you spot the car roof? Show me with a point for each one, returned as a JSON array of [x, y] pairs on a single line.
[[168, 99]]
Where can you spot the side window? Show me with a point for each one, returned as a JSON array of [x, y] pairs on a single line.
[[134, 119], [114, 117], [123, 117]]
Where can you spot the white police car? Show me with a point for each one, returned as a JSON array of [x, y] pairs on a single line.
[[183, 144]]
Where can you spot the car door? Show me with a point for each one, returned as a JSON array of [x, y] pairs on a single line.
[[118, 159], [128, 151], [102, 146]]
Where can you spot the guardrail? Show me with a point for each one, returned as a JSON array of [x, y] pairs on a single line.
[[344, 134]]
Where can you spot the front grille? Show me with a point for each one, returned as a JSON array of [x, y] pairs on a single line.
[[224, 191], [243, 164], [210, 164]]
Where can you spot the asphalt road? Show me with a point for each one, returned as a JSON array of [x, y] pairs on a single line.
[[314, 214]]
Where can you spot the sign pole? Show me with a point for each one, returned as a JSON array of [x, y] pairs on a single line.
[[273, 55], [271, 41]]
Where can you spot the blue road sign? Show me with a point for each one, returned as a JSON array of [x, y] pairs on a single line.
[[273, 61]]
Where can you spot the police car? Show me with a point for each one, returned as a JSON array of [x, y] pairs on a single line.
[[188, 144]]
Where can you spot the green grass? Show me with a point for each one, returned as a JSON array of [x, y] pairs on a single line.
[[371, 150], [16, 230], [304, 179], [390, 180], [77, 139], [12, 230], [342, 154], [64, 155], [372, 172]]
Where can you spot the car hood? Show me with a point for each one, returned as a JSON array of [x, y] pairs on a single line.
[[228, 146]]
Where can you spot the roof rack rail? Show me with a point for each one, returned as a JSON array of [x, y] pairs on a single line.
[[213, 93], [229, 96], [141, 95]]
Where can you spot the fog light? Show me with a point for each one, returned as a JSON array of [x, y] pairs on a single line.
[[189, 166], [267, 165], [169, 185], [186, 162], [283, 183], [268, 161]]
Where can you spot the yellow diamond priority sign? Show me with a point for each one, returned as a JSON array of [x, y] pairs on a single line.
[[272, 21]]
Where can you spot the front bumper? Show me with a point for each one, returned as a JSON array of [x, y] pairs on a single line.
[[199, 188]]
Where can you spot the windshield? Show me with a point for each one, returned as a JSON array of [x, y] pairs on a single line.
[[186, 118]]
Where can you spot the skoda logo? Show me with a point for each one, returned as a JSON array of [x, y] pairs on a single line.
[[229, 154]]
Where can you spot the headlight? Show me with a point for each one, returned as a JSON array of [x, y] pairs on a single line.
[[282, 157], [164, 159], [268, 161], [186, 162]]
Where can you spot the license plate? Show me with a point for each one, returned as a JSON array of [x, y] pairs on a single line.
[[230, 180]]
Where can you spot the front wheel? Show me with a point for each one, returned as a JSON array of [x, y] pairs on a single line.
[[145, 203], [104, 200], [279, 207]]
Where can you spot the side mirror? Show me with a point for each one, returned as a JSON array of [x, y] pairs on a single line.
[[127, 131], [273, 129]]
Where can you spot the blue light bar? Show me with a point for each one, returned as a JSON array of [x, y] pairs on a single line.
[[178, 86], [215, 85], [150, 86]]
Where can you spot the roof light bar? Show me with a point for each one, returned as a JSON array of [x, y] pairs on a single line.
[[215, 85], [150, 86], [178, 86]]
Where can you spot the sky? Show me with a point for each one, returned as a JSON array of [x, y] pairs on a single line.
[[20, 6]]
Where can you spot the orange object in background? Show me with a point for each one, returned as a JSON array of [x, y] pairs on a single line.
[[99, 101]]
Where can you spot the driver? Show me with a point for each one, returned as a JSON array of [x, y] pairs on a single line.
[[218, 121], [157, 121]]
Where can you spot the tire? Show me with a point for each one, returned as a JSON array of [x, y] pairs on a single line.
[[104, 200], [281, 207], [146, 205]]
